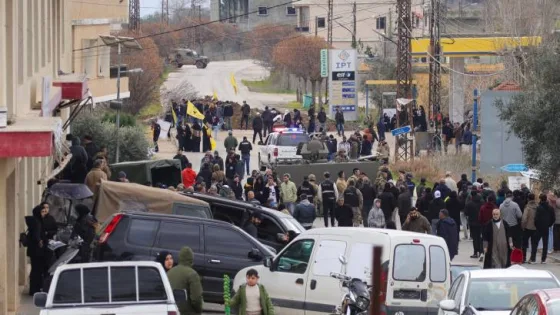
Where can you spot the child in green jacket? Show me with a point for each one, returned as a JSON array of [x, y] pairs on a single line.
[[252, 298]]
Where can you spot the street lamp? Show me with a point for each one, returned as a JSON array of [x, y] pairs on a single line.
[[119, 42]]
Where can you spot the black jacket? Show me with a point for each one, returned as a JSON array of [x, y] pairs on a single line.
[[322, 117], [251, 229], [423, 205], [368, 193], [228, 110], [257, 123], [266, 193], [267, 116], [544, 217], [218, 160], [453, 205], [231, 165], [436, 205], [344, 215], [237, 189], [388, 203], [472, 209], [339, 117], [245, 147], [206, 176], [404, 203]]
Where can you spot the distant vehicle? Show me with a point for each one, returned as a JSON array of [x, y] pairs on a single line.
[[541, 302], [185, 56], [494, 291], [458, 268], [281, 146], [132, 287], [219, 247]]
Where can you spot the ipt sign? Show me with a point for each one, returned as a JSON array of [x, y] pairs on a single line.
[[342, 84]]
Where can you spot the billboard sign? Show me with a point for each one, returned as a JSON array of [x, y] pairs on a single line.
[[343, 89]]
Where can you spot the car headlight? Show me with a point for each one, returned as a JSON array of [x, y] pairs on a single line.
[[362, 303]]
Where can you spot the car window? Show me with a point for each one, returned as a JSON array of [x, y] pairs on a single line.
[[68, 288], [226, 242], [123, 284], [142, 232], [227, 214], [498, 294], [268, 229], [454, 287], [296, 257], [409, 263], [457, 269], [151, 288], [292, 139], [190, 210], [438, 264], [96, 285], [458, 296], [327, 257], [174, 236]]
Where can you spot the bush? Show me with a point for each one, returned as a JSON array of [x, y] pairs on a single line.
[[126, 120], [133, 143]]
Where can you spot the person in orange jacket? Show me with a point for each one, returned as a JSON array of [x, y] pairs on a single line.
[[189, 176]]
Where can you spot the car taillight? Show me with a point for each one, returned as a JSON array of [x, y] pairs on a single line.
[[275, 152], [110, 228]]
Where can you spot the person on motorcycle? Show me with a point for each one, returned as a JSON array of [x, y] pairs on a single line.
[[84, 228]]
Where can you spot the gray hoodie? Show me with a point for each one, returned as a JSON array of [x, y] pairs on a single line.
[[376, 218], [510, 212]]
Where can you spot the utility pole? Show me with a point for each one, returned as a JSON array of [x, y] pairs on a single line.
[[354, 43], [164, 13], [329, 41], [316, 25], [201, 47], [404, 146], [434, 107], [134, 15]]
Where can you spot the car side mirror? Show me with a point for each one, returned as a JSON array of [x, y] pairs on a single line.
[[254, 254], [448, 305], [180, 295], [268, 263], [40, 299], [342, 259]]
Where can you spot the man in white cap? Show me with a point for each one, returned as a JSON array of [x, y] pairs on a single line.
[[433, 211], [257, 127]]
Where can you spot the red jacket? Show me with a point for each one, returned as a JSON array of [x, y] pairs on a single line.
[[485, 214], [189, 177]]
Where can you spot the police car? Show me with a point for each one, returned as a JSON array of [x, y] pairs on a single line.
[[281, 146]]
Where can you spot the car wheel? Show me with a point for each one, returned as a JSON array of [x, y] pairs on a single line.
[[199, 64], [205, 65]]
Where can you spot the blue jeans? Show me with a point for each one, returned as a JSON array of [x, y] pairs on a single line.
[[246, 159], [340, 128]]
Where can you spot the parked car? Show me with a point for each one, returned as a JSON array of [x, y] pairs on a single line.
[[298, 280], [273, 227], [119, 288], [494, 291], [457, 268], [219, 247], [541, 302]]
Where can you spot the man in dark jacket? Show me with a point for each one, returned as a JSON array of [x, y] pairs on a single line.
[[472, 210], [388, 202], [544, 219], [245, 112], [84, 228], [339, 119], [257, 127], [343, 213], [447, 229], [463, 182], [306, 189], [91, 150], [184, 277], [251, 225], [305, 212], [245, 147], [267, 121], [404, 203], [435, 207], [322, 118], [424, 200], [236, 187], [78, 162]]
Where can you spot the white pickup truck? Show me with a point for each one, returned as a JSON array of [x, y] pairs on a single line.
[[281, 146], [116, 288]]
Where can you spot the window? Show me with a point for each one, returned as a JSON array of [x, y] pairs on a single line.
[[142, 232], [152, 288], [458, 294], [89, 57], [380, 23], [104, 61], [326, 260], [268, 229], [502, 293], [292, 139], [191, 210], [296, 257], [263, 11], [226, 242], [321, 22], [455, 287], [123, 284], [96, 285], [174, 236], [403, 269], [68, 288], [438, 264], [290, 11]]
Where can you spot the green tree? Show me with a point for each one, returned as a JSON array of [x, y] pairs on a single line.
[[533, 113]]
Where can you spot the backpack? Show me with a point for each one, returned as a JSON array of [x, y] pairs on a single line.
[[24, 238]]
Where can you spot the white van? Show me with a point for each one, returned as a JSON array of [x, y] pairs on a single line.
[[415, 275], [116, 288]]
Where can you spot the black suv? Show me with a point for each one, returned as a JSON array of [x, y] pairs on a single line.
[[219, 248], [274, 224]]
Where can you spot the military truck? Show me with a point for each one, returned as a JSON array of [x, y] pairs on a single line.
[[186, 56]]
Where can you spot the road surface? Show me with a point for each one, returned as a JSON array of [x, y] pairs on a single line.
[[217, 78]]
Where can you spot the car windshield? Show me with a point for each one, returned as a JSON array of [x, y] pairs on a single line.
[[292, 224], [291, 139], [457, 269], [553, 307], [194, 53], [503, 293]]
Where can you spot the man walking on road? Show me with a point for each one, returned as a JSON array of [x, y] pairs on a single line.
[[447, 229], [339, 119], [288, 192], [257, 127], [245, 147], [230, 143], [512, 214], [328, 194], [245, 112], [267, 121]]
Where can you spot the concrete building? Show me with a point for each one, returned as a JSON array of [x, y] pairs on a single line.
[[38, 73], [238, 12], [375, 21]]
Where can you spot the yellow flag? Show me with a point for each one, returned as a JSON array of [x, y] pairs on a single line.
[[212, 144], [233, 83], [174, 115], [215, 96], [192, 111]]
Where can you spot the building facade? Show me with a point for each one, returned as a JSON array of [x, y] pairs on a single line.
[[247, 14], [37, 60]]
